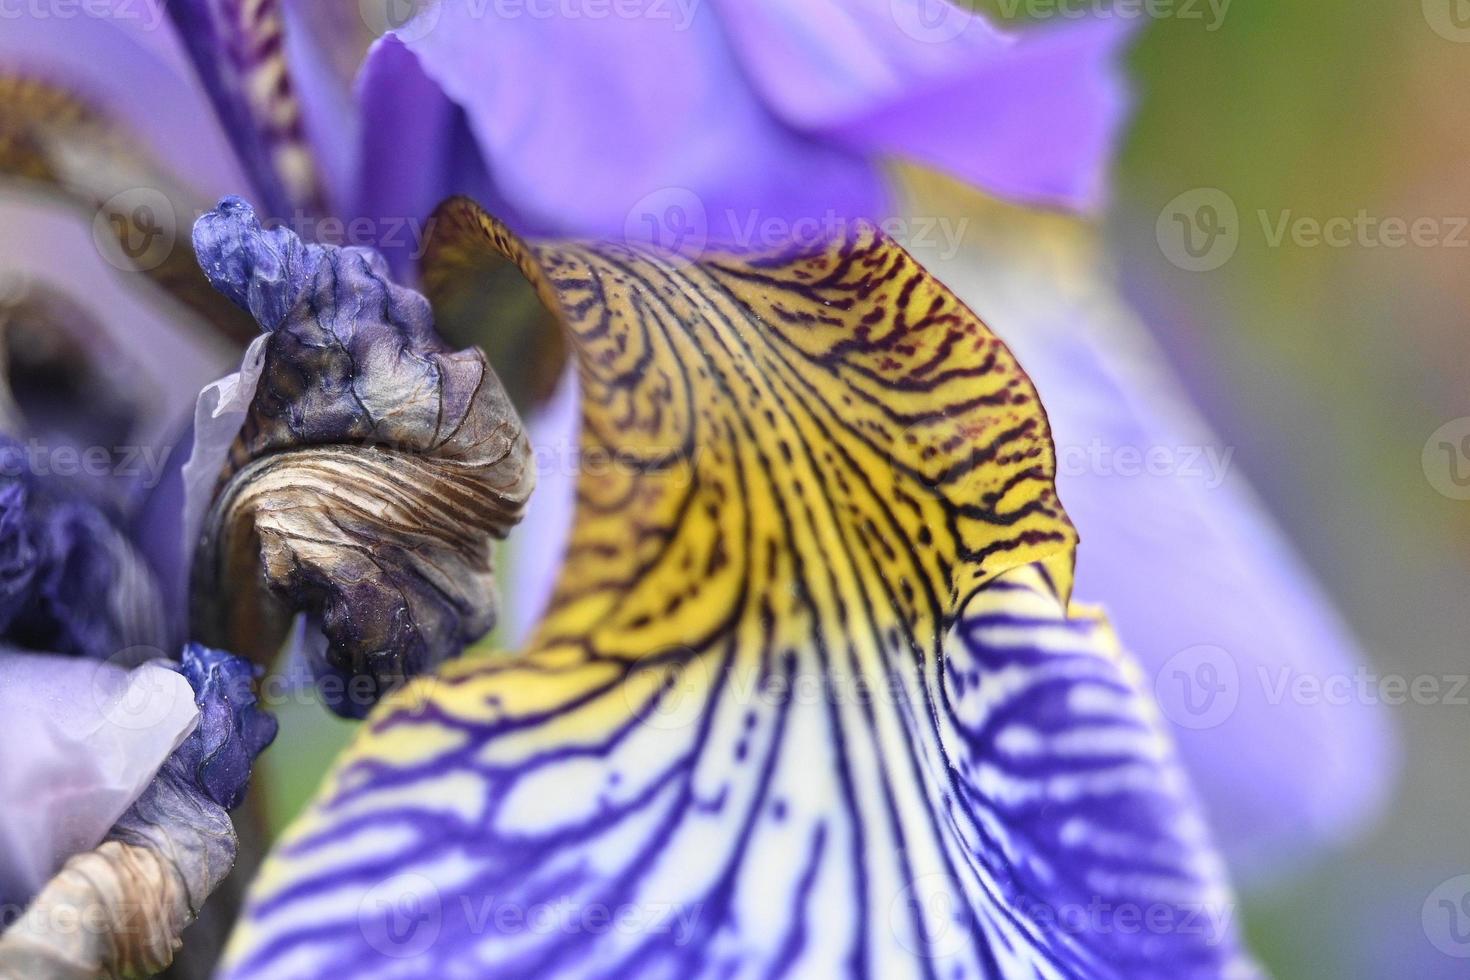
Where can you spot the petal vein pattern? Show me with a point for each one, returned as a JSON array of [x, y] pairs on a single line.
[[750, 737]]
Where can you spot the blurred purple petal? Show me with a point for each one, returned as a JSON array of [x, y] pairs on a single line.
[[74, 584], [1033, 117], [638, 109], [79, 742], [238, 51], [324, 45], [416, 150], [135, 70]]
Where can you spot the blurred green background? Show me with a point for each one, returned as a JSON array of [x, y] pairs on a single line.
[[1328, 368]]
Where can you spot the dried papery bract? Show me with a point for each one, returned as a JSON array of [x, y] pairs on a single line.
[[119, 909], [374, 471]]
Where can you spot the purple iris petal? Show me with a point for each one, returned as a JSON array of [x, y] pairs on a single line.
[[640, 113], [416, 151], [79, 742], [1033, 117], [1224, 614], [321, 44]]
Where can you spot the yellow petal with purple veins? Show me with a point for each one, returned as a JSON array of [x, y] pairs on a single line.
[[770, 725]]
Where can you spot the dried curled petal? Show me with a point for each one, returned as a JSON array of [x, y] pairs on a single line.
[[137, 891], [373, 472], [232, 730]]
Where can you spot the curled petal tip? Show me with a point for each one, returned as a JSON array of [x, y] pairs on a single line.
[[233, 730], [265, 271], [374, 468]]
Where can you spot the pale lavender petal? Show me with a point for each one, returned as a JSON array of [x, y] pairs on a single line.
[[539, 544], [218, 415], [81, 741], [1032, 117], [640, 115]]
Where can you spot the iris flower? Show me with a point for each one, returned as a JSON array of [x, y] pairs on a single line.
[[811, 695]]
